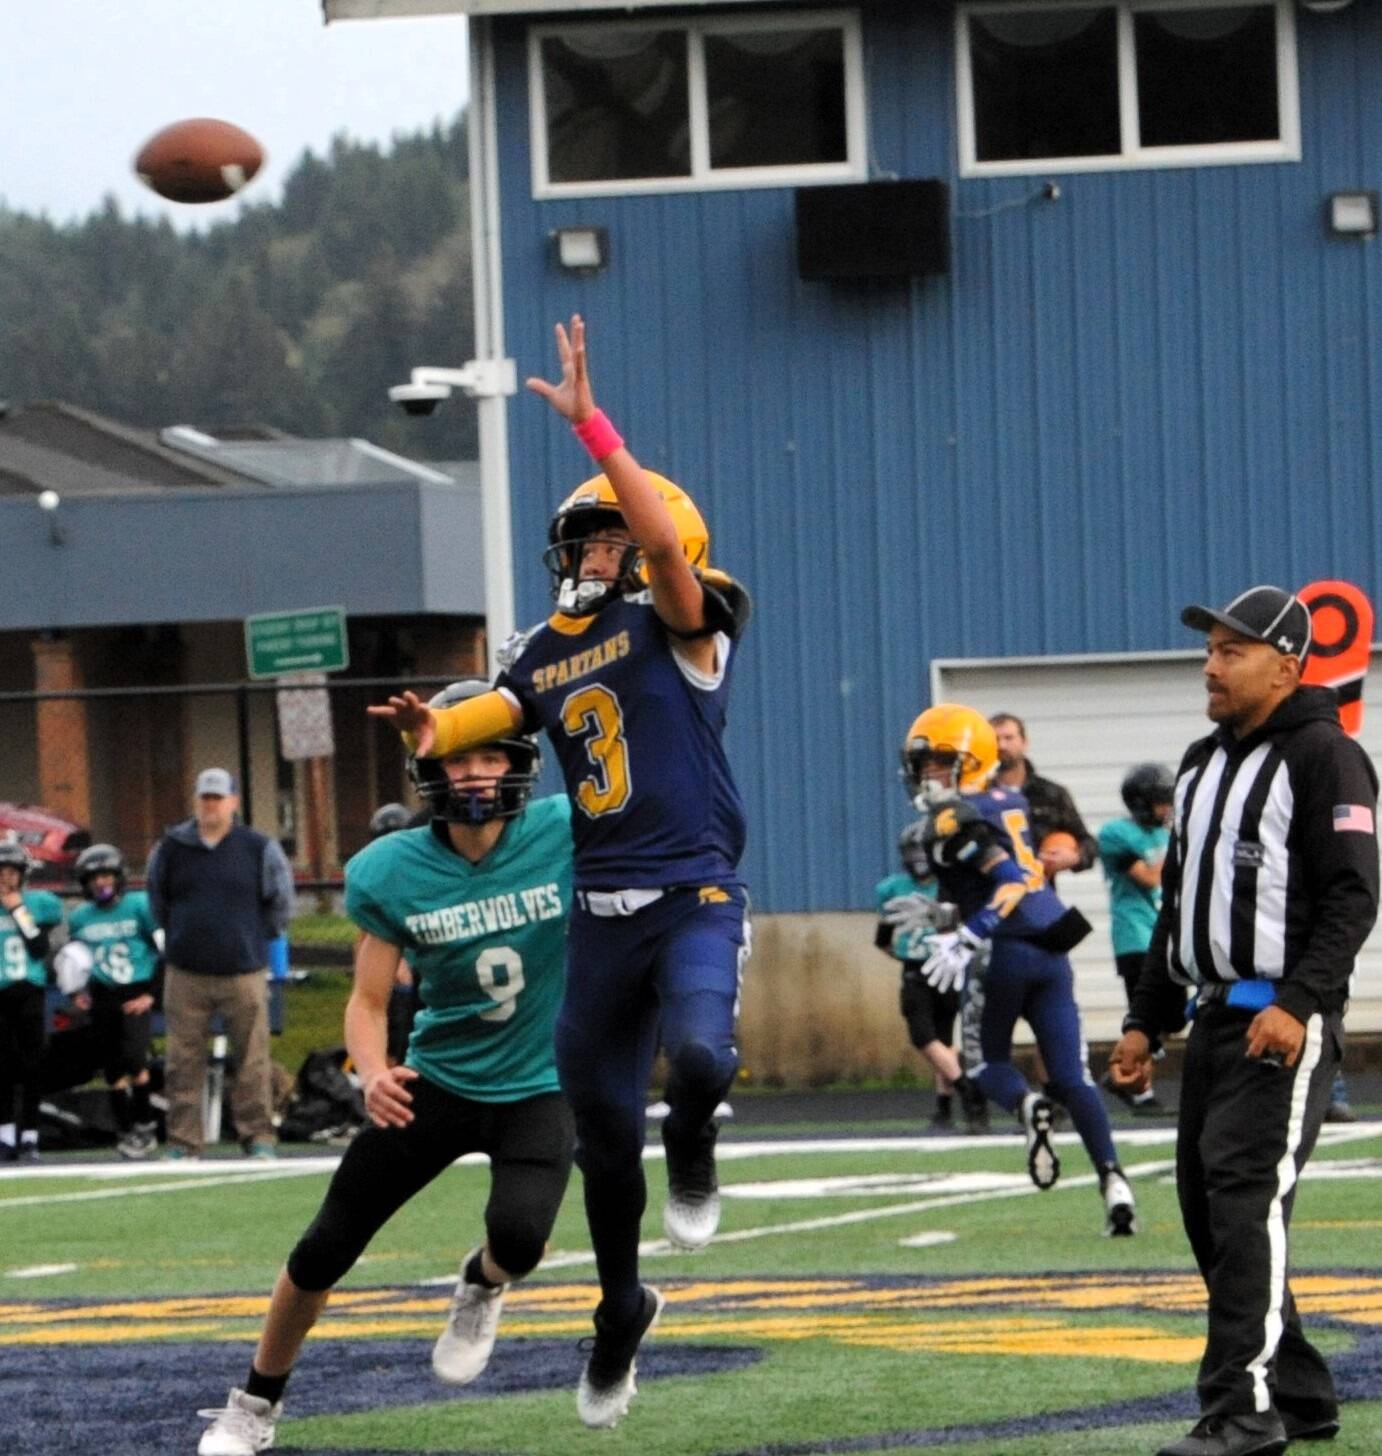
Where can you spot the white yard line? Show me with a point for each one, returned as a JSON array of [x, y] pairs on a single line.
[[146, 1189]]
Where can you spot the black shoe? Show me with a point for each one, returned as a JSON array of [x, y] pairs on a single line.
[[1340, 1112], [8, 1153], [973, 1105], [692, 1211], [1149, 1106], [607, 1383], [941, 1122], [28, 1153], [1310, 1428], [1245, 1435]]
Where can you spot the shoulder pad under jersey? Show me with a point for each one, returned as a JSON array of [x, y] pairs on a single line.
[[514, 646]]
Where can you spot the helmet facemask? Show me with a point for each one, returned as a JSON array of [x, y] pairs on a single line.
[[483, 800], [933, 775], [101, 859], [576, 530]]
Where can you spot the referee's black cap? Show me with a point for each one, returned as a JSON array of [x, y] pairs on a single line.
[[1264, 613]]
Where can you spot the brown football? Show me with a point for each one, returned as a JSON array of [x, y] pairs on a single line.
[[199, 160]]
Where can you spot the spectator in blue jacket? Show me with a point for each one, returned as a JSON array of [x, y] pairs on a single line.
[[220, 891]]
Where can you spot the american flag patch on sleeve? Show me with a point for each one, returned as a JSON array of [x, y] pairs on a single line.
[[1354, 817]]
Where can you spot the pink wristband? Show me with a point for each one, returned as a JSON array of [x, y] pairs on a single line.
[[598, 436]]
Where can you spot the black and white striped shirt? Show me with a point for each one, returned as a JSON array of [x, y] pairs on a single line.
[[1272, 871]]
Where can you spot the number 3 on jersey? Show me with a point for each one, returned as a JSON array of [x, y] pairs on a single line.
[[594, 713]]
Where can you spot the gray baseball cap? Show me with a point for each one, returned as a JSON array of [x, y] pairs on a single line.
[[1264, 613], [217, 782]]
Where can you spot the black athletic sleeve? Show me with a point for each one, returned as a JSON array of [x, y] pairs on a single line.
[[728, 606], [1335, 789]]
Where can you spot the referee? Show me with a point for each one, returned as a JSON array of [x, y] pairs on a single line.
[[1269, 889]]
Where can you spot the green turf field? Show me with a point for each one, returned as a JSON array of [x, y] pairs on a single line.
[[862, 1298]]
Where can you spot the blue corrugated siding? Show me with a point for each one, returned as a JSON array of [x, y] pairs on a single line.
[[1159, 388]]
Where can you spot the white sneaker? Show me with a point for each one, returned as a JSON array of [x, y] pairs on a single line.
[[463, 1348], [608, 1381], [242, 1427], [1120, 1208], [691, 1214], [1043, 1165]]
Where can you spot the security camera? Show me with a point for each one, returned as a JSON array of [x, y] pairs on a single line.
[[419, 399]]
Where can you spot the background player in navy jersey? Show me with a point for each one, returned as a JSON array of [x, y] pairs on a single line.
[[630, 678], [478, 899], [1011, 947]]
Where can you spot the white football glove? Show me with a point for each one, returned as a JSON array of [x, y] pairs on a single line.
[[72, 966], [948, 964], [917, 912]]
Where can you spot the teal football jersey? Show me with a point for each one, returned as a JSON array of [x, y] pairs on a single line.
[[121, 938], [909, 945], [16, 964], [1134, 907], [487, 943]]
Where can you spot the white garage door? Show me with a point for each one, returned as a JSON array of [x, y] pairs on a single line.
[[1088, 720]]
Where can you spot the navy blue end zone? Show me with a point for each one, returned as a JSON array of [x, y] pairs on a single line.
[[142, 1398]]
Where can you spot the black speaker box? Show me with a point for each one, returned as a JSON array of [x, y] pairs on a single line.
[[873, 229]]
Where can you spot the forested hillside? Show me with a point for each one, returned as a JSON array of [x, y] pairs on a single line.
[[298, 314]]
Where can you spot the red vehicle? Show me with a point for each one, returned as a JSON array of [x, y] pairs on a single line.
[[53, 843]]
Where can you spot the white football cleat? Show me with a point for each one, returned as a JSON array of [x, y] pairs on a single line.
[[1120, 1207], [242, 1427], [463, 1348], [1038, 1114], [692, 1211], [608, 1382]]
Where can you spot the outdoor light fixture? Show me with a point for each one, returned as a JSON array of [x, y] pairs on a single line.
[[1353, 214], [581, 249]]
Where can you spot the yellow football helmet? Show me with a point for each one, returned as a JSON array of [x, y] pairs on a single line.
[[593, 507], [949, 730]]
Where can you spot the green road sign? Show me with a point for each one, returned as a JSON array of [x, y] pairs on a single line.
[[309, 641]]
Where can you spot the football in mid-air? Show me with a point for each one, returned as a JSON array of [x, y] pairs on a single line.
[[199, 160]]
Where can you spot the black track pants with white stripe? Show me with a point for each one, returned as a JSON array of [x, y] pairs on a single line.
[[1246, 1130]]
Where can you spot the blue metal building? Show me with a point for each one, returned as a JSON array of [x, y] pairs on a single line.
[[1147, 376]]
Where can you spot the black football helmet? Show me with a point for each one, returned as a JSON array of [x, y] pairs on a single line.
[[386, 818], [100, 859], [13, 853], [1146, 785], [512, 790], [911, 845]]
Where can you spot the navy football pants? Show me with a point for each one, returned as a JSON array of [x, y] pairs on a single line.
[[1022, 980], [669, 973]]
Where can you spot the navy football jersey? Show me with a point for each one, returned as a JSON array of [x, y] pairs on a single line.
[[1005, 825], [638, 733]]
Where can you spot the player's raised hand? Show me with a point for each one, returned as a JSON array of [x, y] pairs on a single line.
[[572, 398], [409, 714], [387, 1099]]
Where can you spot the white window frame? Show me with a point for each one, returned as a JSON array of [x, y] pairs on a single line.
[[703, 177], [1134, 156]]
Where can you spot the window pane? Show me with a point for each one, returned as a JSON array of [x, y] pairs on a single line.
[[777, 98], [1045, 84], [616, 105], [1207, 76]]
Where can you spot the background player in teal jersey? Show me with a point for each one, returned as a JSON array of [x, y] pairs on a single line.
[[26, 917], [630, 679], [930, 1014], [117, 927], [478, 899], [1131, 851]]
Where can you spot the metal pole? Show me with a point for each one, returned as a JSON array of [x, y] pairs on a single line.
[[487, 285], [242, 729]]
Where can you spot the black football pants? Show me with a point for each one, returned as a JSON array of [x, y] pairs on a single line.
[[1246, 1130]]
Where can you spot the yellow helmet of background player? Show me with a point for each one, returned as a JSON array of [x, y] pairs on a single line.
[[593, 507], [949, 730]]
